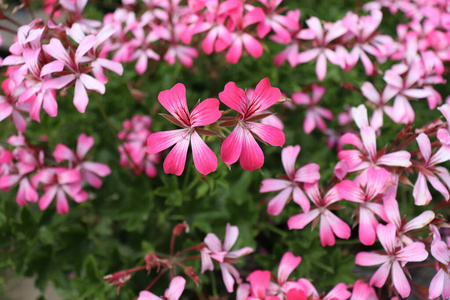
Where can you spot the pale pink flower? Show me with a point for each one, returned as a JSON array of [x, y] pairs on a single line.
[[288, 184], [321, 52], [221, 252], [393, 261], [90, 171], [440, 284], [367, 154], [330, 224], [204, 113], [174, 291], [314, 113], [427, 171], [403, 227], [241, 143]]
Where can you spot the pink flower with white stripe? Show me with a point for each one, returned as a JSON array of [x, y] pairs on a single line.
[[174, 291], [330, 224], [289, 184], [393, 261], [274, 21], [76, 65], [365, 190], [204, 113], [250, 106], [90, 171], [427, 171], [314, 114], [221, 253]]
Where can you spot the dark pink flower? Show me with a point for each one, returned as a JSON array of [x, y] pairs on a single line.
[[241, 142], [204, 113]]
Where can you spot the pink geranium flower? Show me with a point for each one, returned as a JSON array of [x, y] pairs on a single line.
[[204, 113], [393, 261], [330, 224], [440, 284], [59, 182], [427, 171], [241, 142], [288, 184], [221, 252], [89, 170], [364, 190], [314, 114], [174, 291]]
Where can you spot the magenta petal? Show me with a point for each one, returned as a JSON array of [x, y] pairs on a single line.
[[205, 159], [62, 152], [176, 159], [367, 226], [159, 141], [301, 220], [232, 146], [146, 295], [252, 157], [205, 113], [350, 191], [234, 97], [267, 133], [62, 206], [174, 100]]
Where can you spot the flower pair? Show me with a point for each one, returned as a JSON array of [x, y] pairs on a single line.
[[240, 144]]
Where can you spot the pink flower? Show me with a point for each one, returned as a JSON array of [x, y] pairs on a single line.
[[221, 252], [289, 184], [241, 143], [314, 113], [330, 224], [174, 291], [440, 284], [90, 171], [59, 182], [427, 171], [204, 113], [403, 227], [320, 43], [241, 39], [364, 190], [274, 21], [393, 260], [83, 81], [367, 154]]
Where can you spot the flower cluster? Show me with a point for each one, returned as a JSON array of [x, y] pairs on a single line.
[[28, 167], [48, 58], [133, 150], [251, 106]]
